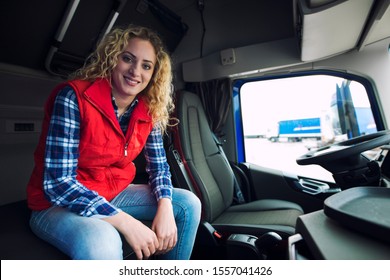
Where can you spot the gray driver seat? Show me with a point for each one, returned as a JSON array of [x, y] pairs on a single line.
[[212, 179]]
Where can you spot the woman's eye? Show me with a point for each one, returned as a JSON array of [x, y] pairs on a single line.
[[147, 67], [126, 58]]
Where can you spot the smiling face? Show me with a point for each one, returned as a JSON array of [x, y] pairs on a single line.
[[134, 69]]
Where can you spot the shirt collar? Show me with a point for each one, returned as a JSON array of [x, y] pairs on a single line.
[[129, 108]]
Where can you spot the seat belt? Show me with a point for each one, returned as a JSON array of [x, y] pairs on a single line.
[[238, 196], [179, 167]]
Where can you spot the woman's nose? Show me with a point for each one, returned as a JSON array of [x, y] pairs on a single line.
[[135, 69]]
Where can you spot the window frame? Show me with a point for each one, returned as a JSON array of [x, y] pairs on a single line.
[[237, 112]]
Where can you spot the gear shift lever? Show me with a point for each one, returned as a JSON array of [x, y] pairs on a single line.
[[266, 242]]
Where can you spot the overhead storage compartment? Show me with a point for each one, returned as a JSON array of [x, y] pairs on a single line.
[[326, 28], [86, 21], [57, 36]]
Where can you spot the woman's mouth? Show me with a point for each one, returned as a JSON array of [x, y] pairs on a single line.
[[131, 81]]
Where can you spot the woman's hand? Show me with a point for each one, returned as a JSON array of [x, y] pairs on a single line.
[[164, 226], [141, 238]]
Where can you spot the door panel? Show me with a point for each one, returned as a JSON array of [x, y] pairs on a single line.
[[276, 184]]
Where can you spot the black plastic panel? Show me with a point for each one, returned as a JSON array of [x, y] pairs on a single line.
[[364, 209]]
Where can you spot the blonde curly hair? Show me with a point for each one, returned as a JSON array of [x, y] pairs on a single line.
[[158, 94]]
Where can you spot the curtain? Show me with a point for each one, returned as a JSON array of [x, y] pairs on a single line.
[[215, 97]]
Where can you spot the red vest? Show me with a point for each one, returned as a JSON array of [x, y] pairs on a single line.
[[106, 156]]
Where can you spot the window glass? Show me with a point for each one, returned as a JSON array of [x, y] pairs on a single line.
[[285, 118]]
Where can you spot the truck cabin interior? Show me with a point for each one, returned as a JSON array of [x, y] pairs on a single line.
[[216, 46]]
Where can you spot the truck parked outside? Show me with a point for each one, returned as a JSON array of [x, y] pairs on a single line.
[[295, 130]]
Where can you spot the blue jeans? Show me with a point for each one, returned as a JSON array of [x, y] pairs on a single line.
[[92, 238]]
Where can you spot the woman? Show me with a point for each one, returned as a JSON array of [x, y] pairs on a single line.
[[95, 125]]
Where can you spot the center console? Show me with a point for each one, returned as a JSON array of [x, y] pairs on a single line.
[[210, 244], [320, 237]]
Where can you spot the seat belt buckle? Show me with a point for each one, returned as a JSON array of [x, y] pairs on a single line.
[[217, 234]]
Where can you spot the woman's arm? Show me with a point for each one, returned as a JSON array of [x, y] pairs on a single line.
[[61, 159], [164, 224], [157, 165]]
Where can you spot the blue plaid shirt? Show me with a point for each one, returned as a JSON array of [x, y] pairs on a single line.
[[61, 158]]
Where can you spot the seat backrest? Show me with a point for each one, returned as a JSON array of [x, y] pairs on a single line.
[[208, 167]]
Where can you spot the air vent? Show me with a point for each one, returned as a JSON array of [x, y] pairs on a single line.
[[313, 186], [24, 127], [21, 126]]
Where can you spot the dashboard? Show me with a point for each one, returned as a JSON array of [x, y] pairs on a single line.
[[354, 224]]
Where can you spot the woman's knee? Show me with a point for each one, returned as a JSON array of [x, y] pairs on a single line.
[[78, 237], [98, 242], [189, 202], [195, 204]]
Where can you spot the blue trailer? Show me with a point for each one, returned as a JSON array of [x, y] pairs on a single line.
[[297, 129]]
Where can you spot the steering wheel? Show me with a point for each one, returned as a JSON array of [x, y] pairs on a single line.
[[345, 160], [345, 149]]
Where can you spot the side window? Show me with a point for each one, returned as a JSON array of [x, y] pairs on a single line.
[[284, 118]]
